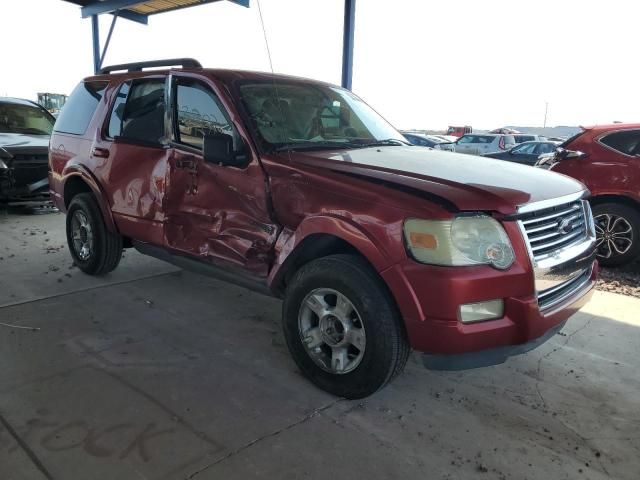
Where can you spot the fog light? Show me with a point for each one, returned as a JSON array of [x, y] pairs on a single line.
[[481, 311]]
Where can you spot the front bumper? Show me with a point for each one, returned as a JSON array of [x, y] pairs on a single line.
[[429, 298], [25, 177]]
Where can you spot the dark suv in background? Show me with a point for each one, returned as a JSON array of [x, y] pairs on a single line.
[[606, 158], [25, 128]]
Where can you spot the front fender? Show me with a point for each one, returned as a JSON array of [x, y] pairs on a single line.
[[78, 171], [339, 227]]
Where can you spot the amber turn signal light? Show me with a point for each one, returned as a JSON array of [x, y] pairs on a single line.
[[423, 240]]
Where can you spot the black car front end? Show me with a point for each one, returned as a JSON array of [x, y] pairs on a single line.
[[24, 174], [25, 128]]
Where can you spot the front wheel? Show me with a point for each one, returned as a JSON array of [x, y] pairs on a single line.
[[342, 326], [617, 233]]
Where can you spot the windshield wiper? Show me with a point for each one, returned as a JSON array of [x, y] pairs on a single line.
[[319, 146]]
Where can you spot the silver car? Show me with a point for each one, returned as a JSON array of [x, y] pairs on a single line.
[[480, 143]]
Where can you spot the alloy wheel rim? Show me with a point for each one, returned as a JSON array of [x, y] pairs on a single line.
[[614, 235], [332, 331], [81, 235]]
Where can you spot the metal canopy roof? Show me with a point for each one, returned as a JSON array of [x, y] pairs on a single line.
[[139, 11]]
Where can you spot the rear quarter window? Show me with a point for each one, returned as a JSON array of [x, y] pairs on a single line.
[[80, 107], [626, 142]]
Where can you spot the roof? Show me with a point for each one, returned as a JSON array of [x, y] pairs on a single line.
[[18, 101], [221, 73], [613, 126], [139, 10]]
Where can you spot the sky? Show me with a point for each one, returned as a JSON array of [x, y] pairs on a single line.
[[421, 64]]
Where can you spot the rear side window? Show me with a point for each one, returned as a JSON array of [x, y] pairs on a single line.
[[476, 139], [80, 107], [627, 142], [117, 112], [138, 112]]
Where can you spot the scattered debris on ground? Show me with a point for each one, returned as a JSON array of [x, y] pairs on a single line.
[[624, 280]]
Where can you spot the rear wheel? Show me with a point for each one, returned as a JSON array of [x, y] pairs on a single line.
[[94, 249], [342, 326], [617, 232]]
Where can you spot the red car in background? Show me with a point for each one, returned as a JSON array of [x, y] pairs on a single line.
[[606, 158]]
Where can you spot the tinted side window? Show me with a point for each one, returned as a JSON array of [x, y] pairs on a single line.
[[117, 112], [143, 114], [199, 113], [546, 148], [627, 142], [525, 149], [79, 109]]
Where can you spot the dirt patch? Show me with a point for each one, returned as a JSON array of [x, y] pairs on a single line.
[[624, 280]]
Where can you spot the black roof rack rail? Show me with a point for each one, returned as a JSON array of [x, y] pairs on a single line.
[[138, 66]]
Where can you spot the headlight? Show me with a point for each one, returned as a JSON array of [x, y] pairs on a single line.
[[466, 240]]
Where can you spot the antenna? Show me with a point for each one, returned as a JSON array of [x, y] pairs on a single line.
[[264, 32], [275, 85], [546, 109]]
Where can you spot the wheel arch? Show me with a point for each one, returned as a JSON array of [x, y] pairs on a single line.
[[615, 198], [78, 181], [319, 237]]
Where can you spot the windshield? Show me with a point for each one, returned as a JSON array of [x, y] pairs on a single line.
[[16, 118], [296, 115]]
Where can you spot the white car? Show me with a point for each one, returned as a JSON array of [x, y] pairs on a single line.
[[480, 143]]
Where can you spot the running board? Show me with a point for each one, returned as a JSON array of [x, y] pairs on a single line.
[[225, 273]]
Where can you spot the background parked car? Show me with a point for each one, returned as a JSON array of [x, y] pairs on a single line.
[[606, 158], [423, 140], [459, 131], [25, 128], [527, 137], [446, 138], [526, 153], [479, 144]]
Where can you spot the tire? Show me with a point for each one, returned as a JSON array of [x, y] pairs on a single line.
[[95, 250], [374, 323], [618, 233]]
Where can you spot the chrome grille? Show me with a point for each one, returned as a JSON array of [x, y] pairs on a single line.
[[554, 228], [555, 295]]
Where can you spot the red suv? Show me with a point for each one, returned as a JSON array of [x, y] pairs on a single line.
[[606, 158], [298, 189]]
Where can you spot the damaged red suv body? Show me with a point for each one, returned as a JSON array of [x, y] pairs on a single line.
[[298, 189]]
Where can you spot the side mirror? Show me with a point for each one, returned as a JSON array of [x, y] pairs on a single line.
[[563, 153], [218, 148]]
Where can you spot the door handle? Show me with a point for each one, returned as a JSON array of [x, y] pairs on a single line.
[[188, 163], [100, 152]]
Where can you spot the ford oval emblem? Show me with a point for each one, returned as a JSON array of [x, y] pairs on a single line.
[[565, 226]]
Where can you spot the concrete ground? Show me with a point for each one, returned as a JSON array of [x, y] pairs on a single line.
[[156, 373]]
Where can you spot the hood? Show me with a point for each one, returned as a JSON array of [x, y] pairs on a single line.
[[11, 141], [469, 182]]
